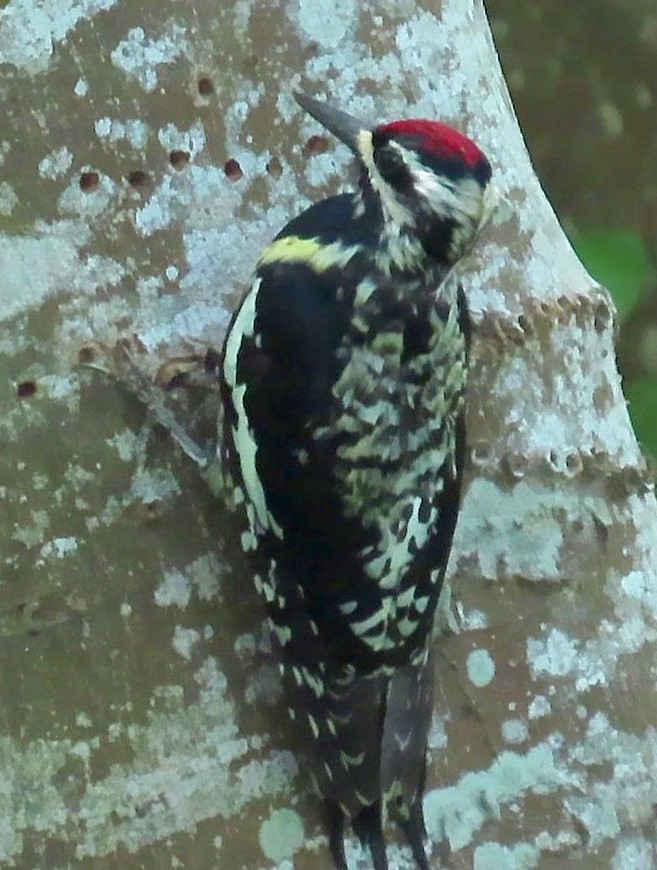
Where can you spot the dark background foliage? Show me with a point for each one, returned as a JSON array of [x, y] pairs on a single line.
[[584, 89]]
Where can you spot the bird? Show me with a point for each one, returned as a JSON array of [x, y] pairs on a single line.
[[343, 381]]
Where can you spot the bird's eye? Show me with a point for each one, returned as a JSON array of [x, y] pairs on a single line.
[[391, 165]]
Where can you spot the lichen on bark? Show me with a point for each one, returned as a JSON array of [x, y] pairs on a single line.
[[147, 156]]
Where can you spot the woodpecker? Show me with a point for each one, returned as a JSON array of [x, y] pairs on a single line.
[[343, 384]]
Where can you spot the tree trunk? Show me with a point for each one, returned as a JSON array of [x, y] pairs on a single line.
[[149, 152]]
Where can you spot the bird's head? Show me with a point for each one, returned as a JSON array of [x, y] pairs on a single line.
[[431, 183]]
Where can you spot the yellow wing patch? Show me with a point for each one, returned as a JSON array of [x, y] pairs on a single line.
[[312, 252]]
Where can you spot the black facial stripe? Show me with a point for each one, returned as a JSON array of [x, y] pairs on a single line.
[[483, 172], [455, 170], [391, 164], [393, 170]]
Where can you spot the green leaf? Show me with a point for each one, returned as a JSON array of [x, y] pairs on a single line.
[[642, 397], [617, 259]]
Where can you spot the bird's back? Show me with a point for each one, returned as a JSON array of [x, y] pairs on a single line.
[[343, 391]]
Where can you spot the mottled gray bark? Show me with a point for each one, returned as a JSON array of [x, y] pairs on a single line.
[[148, 151]]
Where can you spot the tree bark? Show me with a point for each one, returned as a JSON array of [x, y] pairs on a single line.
[[149, 152]]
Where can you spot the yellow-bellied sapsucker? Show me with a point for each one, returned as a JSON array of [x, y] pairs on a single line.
[[343, 379]]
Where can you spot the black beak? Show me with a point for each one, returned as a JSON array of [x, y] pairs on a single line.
[[342, 125]]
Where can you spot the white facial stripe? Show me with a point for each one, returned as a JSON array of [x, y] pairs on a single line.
[[461, 200], [445, 196], [491, 202]]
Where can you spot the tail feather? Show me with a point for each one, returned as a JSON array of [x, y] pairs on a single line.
[[335, 826], [404, 750], [368, 827], [341, 726], [415, 833], [365, 740]]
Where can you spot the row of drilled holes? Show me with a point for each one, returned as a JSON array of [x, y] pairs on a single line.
[[141, 180], [90, 180]]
